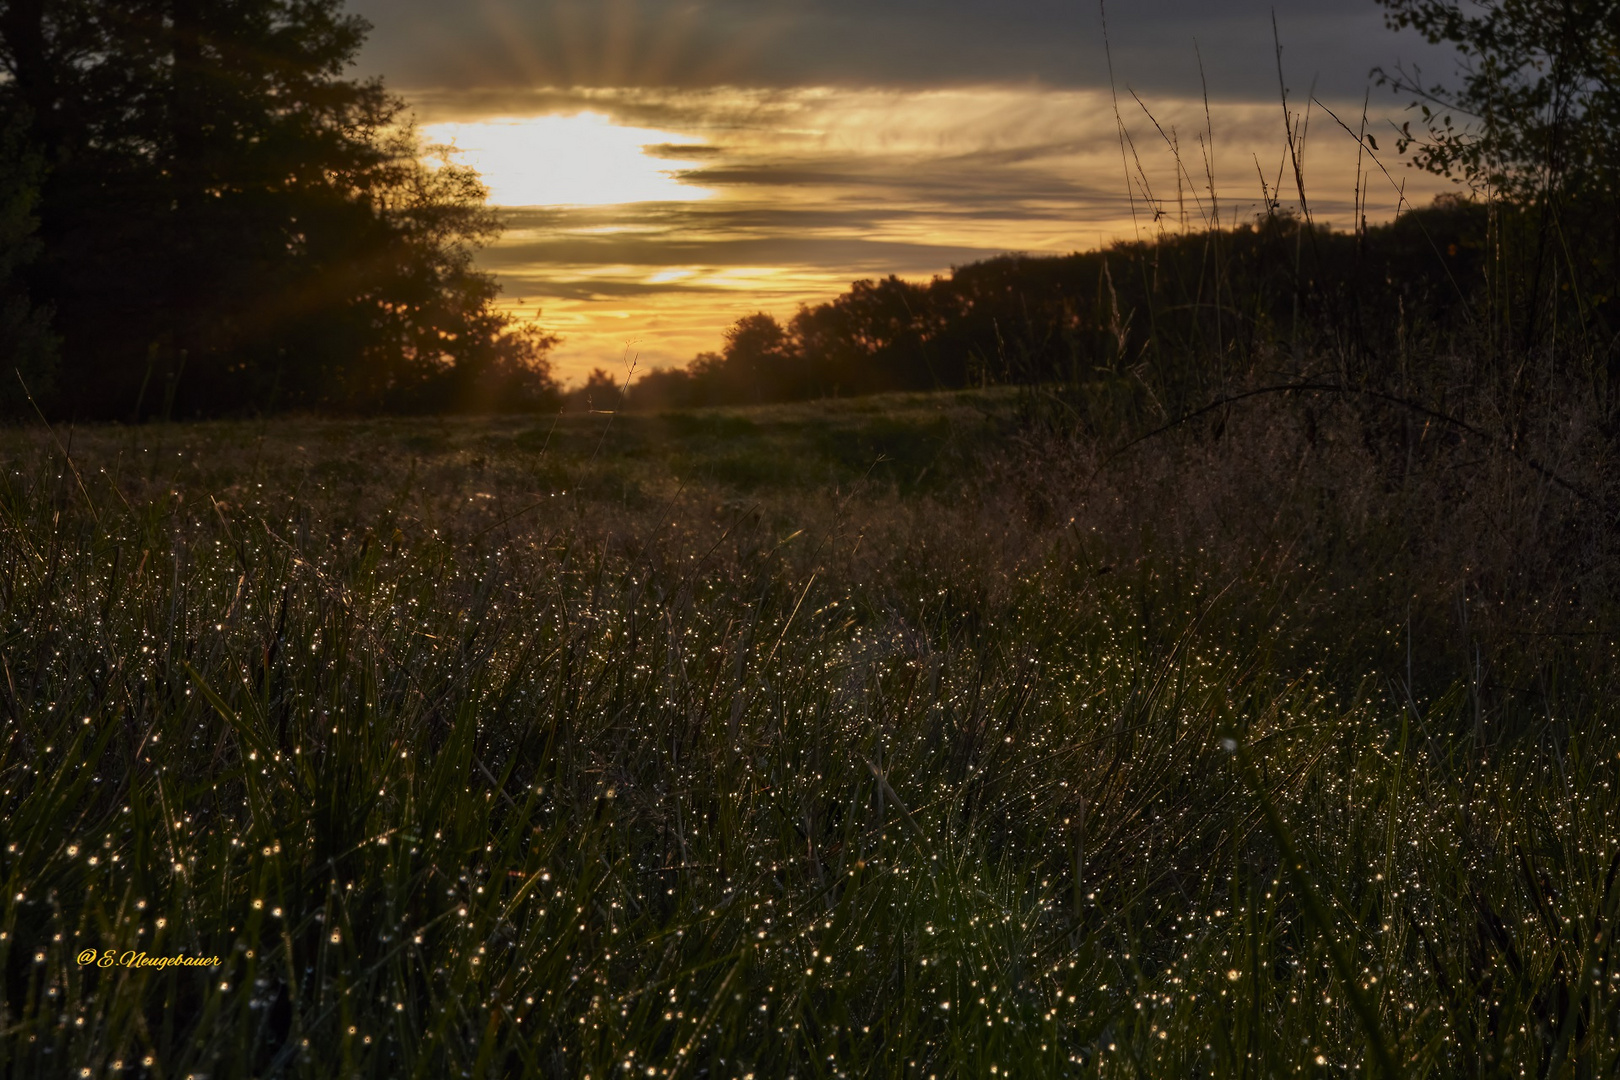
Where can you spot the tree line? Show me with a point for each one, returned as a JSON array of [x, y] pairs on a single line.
[[1177, 318], [1090, 316], [202, 213]]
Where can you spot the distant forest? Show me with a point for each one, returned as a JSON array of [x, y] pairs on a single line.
[[202, 214], [1279, 287]]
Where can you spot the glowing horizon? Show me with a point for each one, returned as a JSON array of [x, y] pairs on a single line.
[[641, 222]]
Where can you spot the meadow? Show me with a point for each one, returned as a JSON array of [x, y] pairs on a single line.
[[909, 736]]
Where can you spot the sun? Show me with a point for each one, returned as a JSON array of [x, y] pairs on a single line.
[[584, 159]]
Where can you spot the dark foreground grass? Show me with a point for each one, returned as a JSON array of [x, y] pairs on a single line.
[[818, 741]]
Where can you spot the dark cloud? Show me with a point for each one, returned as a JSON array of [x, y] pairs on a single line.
[[658, 223], [681, 151], [672, 235], [697, 43], [777, 251], [851, 199]]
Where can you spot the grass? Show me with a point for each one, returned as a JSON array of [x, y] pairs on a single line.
[[875, 738]]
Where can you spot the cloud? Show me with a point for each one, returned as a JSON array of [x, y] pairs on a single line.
[[845, 257], [680, 151], [901, 43]]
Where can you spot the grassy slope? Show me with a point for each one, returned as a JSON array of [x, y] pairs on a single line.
[[835, 739]]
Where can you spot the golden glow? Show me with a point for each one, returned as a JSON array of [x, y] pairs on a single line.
[[580, 160], [792, 194]]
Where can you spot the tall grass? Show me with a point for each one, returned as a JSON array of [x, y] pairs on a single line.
[[471, 751]]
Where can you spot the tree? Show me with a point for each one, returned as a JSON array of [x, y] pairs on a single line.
[[760, 360], [27, 346], [1538, 108], [875, 337], [1535, 125], [228, 222], [600, 393]]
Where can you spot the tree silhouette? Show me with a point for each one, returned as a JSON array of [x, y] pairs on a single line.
[[760, 362], [27, 347], [228, 222], [1538, 102], [1531, 120]]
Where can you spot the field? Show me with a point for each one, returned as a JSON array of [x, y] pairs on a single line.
[[909, 736]]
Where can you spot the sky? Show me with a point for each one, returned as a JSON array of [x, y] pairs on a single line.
[[666, 167]]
